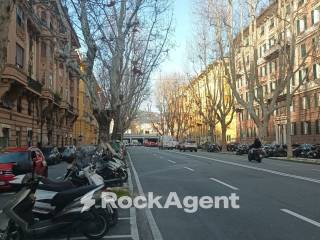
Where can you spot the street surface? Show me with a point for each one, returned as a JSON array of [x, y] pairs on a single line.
[[278, 200]]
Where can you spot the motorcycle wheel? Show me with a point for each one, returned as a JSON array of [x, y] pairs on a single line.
[[114, 217], [12, 232], [101, 228], [249, 157], [123, 175]]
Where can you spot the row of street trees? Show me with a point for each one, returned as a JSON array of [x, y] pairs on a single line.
[[125, 42]]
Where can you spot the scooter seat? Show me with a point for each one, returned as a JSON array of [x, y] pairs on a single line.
[[62, 199], [56, 186]]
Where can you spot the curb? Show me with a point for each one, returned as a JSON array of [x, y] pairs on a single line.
[[296, 160], [299, 160]]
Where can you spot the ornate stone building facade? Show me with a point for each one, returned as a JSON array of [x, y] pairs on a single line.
[[39, 87]]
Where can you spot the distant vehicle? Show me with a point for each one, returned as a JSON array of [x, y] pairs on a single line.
[[21, 158], [189, 145], [167, 142], [150, 144], [52, 155]]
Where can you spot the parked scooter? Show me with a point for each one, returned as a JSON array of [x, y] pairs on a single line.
[[66, 214]]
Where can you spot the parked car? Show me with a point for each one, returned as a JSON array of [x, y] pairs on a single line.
[[52, 155], [21, 160], [303, 150], [189, 145]]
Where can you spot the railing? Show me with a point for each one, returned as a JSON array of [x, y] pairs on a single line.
[[35, 85]]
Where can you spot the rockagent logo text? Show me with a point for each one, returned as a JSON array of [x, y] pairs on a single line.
[[189, 204]]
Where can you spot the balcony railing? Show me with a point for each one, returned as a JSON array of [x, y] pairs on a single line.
[[35, 85]]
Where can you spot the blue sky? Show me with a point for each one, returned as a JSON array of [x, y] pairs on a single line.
[[183, 26]]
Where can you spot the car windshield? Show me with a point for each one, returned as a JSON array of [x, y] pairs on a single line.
[[15, 157]]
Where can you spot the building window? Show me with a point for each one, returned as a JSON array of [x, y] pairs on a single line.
[[19, 104], [317, 126], [20, 17], [43, 49], [316, 71], [29, 108], [305, 128], [271, 23], [4, 139], [315, 15], [302, 24], [300, 3], [293, 128], [19, 56], [262, 31], [316, 100], [18, 138], [303, 50]]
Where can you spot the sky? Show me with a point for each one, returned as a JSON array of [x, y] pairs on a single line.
[[177, 60]]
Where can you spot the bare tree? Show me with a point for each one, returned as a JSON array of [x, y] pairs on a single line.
[[241, 46], [129, 39]]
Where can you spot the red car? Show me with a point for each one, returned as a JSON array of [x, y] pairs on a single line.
[[21, 158]]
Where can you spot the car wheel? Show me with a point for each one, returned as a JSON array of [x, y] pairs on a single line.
[[196, 150]]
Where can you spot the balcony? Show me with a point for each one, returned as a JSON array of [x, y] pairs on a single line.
[[34, 85], [271, 52]]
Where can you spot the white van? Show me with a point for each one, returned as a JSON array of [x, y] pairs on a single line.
[[167, 142]]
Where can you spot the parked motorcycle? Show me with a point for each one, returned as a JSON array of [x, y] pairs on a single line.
[[242, 149], [213, 148], [66, 213]]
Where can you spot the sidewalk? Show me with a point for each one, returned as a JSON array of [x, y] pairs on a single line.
[[298, 160]]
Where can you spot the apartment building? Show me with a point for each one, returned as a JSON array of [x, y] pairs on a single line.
[[85, 129], [305, 109], [40, 84]]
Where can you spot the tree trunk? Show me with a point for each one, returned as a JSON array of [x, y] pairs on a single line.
[[224, 137], [6, 8], [116, 132], [104, 120], [263, 130], [288, 125]]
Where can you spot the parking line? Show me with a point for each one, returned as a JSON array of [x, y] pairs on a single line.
[[124, 218], [225, 184], [171, 161], [152, 223], [301, 217], [190, 169], [256, 168]]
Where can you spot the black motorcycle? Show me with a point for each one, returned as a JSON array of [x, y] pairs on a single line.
[[68, 214], [242, 149], [256, 154]]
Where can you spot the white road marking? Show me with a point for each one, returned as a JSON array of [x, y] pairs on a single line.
[[223, 183], [171, 161], [124, 218], [133, 213], [301, 217], [1, 211], [256, 168], [190, 169], [58, 178], [152, 223], [105, 237], [315, 170]]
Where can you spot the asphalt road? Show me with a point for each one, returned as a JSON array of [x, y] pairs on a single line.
[[278, 200]]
